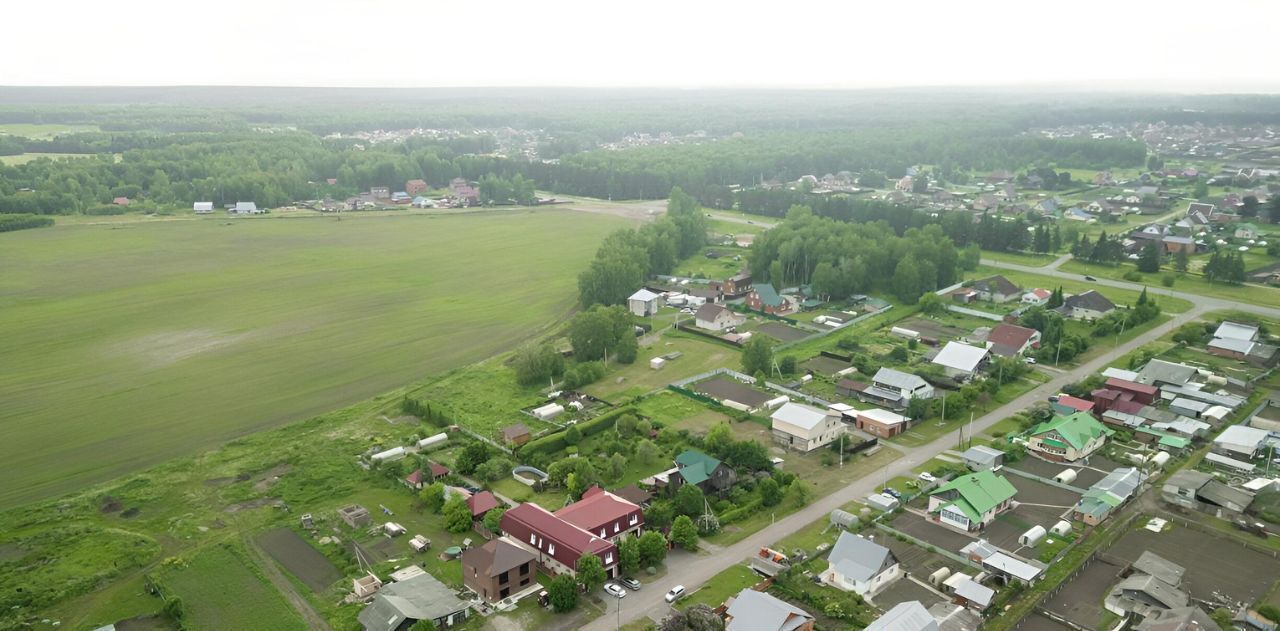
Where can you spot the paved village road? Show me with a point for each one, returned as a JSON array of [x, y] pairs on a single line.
[[1206, 302], [692, 571]]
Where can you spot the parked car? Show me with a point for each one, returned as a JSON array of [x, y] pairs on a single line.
[[630, 583], [675, 593], [1090, 278], [615, 590], [1028, 360], [893, 492], [927, 477]]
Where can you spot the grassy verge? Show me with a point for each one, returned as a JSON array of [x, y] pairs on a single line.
[[1031, 259], [1188, 283], [1119, 296], [721, 586]]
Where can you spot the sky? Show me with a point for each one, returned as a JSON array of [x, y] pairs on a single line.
[[1118, 44]]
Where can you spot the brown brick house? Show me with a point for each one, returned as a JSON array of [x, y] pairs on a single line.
[[497, 569]]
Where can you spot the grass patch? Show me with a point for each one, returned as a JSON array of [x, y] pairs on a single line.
[[221, 590], [37, 131], [697, 356], [1119, 296], [1032, 259], [1187, 283], [23, 158], [721, 586], [201, 331]]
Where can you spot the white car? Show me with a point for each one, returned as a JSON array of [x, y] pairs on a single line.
[[927, 477], [1029, 360], [615, 590], [675, 593]]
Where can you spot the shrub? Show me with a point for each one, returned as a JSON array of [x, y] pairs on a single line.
[[1133, 276]]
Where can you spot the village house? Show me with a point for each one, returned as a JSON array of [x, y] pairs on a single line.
[[900, 387], [764, 297], [804, 427], [203, 208], [401, 604], [860, 565], [1108, 494], [905, 616], [961, 361], [1246, 231], [121, 201], [246, 208], [1036, 297], [971, 501], [1068, 438], [1150, 585], [415, 187], [882, 423], [1141, 393], [703, 471], [1090, 305], [1011, 340], [996, 289], [644, 303], [556, 544], [604, 514], [380, 192], [481, 503], [517, 434], [982, 458], [713, 317], [751, 610], [498, 569], [737, 285]]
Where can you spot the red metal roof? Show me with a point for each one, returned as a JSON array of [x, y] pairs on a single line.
[[414, 478], [438, 470], [1132, 386], [596, 509], [481, 503], [1009, 336], [571, 541], [1074, 403]]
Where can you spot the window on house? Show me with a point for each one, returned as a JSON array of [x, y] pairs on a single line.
[[617, 528], [608, 558], [551, 549], [533, 539], [502, 578], [635, 519]]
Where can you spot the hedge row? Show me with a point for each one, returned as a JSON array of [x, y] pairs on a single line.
[[740, 512], [554, 443], [9, 223]]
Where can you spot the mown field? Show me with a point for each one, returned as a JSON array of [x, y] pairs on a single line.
[[219, 590], [42, 130], [23, 158], [129, 344]]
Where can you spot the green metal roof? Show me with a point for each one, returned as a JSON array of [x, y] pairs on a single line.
[[978, 492], [1077, 429], [695, 466], [768, 295], [1166, 439]]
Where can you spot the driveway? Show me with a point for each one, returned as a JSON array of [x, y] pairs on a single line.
[[693, 571]]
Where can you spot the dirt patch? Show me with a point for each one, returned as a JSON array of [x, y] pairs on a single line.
[[782, 332], [824, 365], [1214, 564], [216, 482], [268, 478], [131, 513], [922, 529], [904, 590], [933, 329], [111, 504], [726, 388], [251, 504], [1080, 600], [298, 557]]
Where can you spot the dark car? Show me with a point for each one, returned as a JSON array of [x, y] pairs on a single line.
[[471, 489], [893, 492], [630, 583], [1090, 278]]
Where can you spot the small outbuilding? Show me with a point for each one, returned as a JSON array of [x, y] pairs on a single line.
[[354, 515], [548, 411], [1032, 536]]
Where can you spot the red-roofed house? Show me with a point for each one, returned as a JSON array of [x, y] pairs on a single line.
[[1105, 399], [1011, 340], [414, 480], [437, 470], [604, 514], [481, 503], [1066, 404], [415, 187], [120, 201], [555, 543], [1142, 393]]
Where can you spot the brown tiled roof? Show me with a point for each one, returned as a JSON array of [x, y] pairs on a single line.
[[415, 477], [1007, 339], [496, 557], [573, 542], [596, 508], [634, 494], [438, 470], [512, 432], [481, 503]]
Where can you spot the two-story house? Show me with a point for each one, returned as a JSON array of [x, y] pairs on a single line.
[[1068, 438], [972, 501], [604, 514], [498, 569], [804, 427], [555, 543]]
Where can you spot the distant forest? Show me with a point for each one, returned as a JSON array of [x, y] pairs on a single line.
[[163, 148]]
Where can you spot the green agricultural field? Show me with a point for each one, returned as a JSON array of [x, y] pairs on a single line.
[[220, 590], [42, 130], [201, 331], [24, 158]]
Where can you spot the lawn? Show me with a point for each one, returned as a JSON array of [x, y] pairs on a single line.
[[1119, 296], [1030, 259], [1188, 283], [721, 586], [221, 591], [202, 331], [697, 356]]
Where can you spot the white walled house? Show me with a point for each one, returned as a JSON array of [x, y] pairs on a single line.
[[804, 427], [714, 317], [860, 565], [643, 303]]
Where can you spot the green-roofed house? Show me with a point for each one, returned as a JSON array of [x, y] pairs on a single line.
[[1068, 438], [764, 297], [971, 501], [703, 471]]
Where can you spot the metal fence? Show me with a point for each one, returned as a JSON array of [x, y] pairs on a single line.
[[995, 317]]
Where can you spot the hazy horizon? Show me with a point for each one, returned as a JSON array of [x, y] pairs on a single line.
[[1001, 44]]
